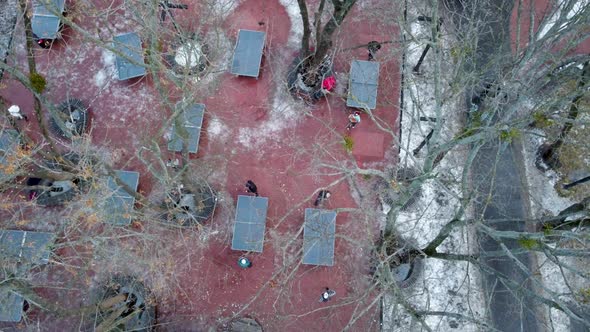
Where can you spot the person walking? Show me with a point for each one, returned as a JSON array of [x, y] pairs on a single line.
[[328, 84], [353, 120], [15, 112], [251, 187], [373, 46], [323, 196]]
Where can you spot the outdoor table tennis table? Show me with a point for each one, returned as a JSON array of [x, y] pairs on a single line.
[[30, 248], [363, 84], [9, 140], [129, 56], [250, 223], [319, 233], [119, 206], [191, 119], [46, 20], [248, 53]]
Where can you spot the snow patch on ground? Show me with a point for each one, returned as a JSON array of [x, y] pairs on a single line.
[[296, 33], [108, 60], [283, 115], [217, 129], [445, 286], [543, 197], [544, 200], [100, 78]]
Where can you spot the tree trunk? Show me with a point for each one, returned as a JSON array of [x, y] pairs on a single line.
[[323, 36], [306, 30], [33, 70], [341, 9]]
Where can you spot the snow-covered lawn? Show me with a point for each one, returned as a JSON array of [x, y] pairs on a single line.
[[445, 286]]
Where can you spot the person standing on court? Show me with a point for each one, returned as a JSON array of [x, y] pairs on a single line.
[[251, 187], [353, 120], [323, 196]]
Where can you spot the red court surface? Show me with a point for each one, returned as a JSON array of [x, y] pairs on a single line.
[[253, 130]]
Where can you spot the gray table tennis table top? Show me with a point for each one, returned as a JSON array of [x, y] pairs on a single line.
[[45, 21], [248, 53], [32, 248], [9, 140], [319, 233], [363, 84], [129, 56], [192, 120], [119, 206], [250, 223]]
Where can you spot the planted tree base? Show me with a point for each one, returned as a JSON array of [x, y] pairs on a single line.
[[391, 193], [190, 205], [70, 119], [124, 304], [306, 83], [188, 56], [405, 264]]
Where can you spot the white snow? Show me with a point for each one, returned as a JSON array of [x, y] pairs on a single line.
[[108, 61], [294, 13], [188, 54], [100, 78], [218, 129], [543, 197], [450, 286], [282, 115]]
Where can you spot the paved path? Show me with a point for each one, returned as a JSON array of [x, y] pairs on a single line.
[[495, 172]]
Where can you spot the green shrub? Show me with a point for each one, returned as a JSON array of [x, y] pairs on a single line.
[[547, 229], [509, 135], [38, 82], [348, 143], [528, 243], [541, 120]]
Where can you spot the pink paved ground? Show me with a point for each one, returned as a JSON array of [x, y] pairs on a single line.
[[204, 284]]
